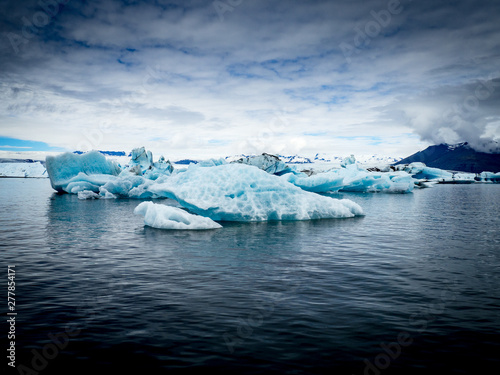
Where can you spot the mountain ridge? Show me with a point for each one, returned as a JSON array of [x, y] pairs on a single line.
[[460, 157]]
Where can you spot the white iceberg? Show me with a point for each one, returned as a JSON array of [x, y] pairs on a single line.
[[142, 158], [167, 217], [351, 178], [142, 164], [422, 172], [72, 173], [211, 162], [238, 192], [269, 163], [88, 194], [348, 161], [488, 177], [23, 169]]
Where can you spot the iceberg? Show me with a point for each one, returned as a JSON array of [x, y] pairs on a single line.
[[421, 172], [142, 164], [488, 177], [167, 217], [142, 158], [269, 163], [72, 173], [23, 169], [88, 194], [211, 162], [348, 161], [239, 192], [350, 178], [213, 189]]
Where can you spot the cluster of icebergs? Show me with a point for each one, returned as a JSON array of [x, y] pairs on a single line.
[[424, 174], [256, 188]]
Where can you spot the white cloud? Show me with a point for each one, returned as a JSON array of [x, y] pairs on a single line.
[[179, 81]]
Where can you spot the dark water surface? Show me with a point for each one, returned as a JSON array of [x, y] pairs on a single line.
[[330, 296]]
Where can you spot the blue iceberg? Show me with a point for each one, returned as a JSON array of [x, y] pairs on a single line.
[[351, 178], [72, 173], [423, 173], [420, 171], [238, 192], [213, 189]]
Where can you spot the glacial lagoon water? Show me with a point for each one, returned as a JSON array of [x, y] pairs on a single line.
[[413, 286]]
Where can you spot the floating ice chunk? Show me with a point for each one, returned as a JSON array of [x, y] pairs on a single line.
[[488, 177], [163, 165], [460, 178], [211, 162], [167, 217], [88, 194], [76, 170], [318, 183], [238, 192], [142, 164], [269, 163], [160, 168], [142, 157], [356, 180], [348, 161], [351, 178], [105, 194], [420, 171], [424, 184]]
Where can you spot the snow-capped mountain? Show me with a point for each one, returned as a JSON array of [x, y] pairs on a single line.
[[369, 160], [459, 157]]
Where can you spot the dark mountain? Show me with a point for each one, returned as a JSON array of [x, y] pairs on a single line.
[[459, 157]]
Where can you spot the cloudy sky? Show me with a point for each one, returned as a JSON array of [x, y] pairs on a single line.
[[211, 78]]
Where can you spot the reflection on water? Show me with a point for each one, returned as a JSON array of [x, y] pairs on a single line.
[[301, 297]]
